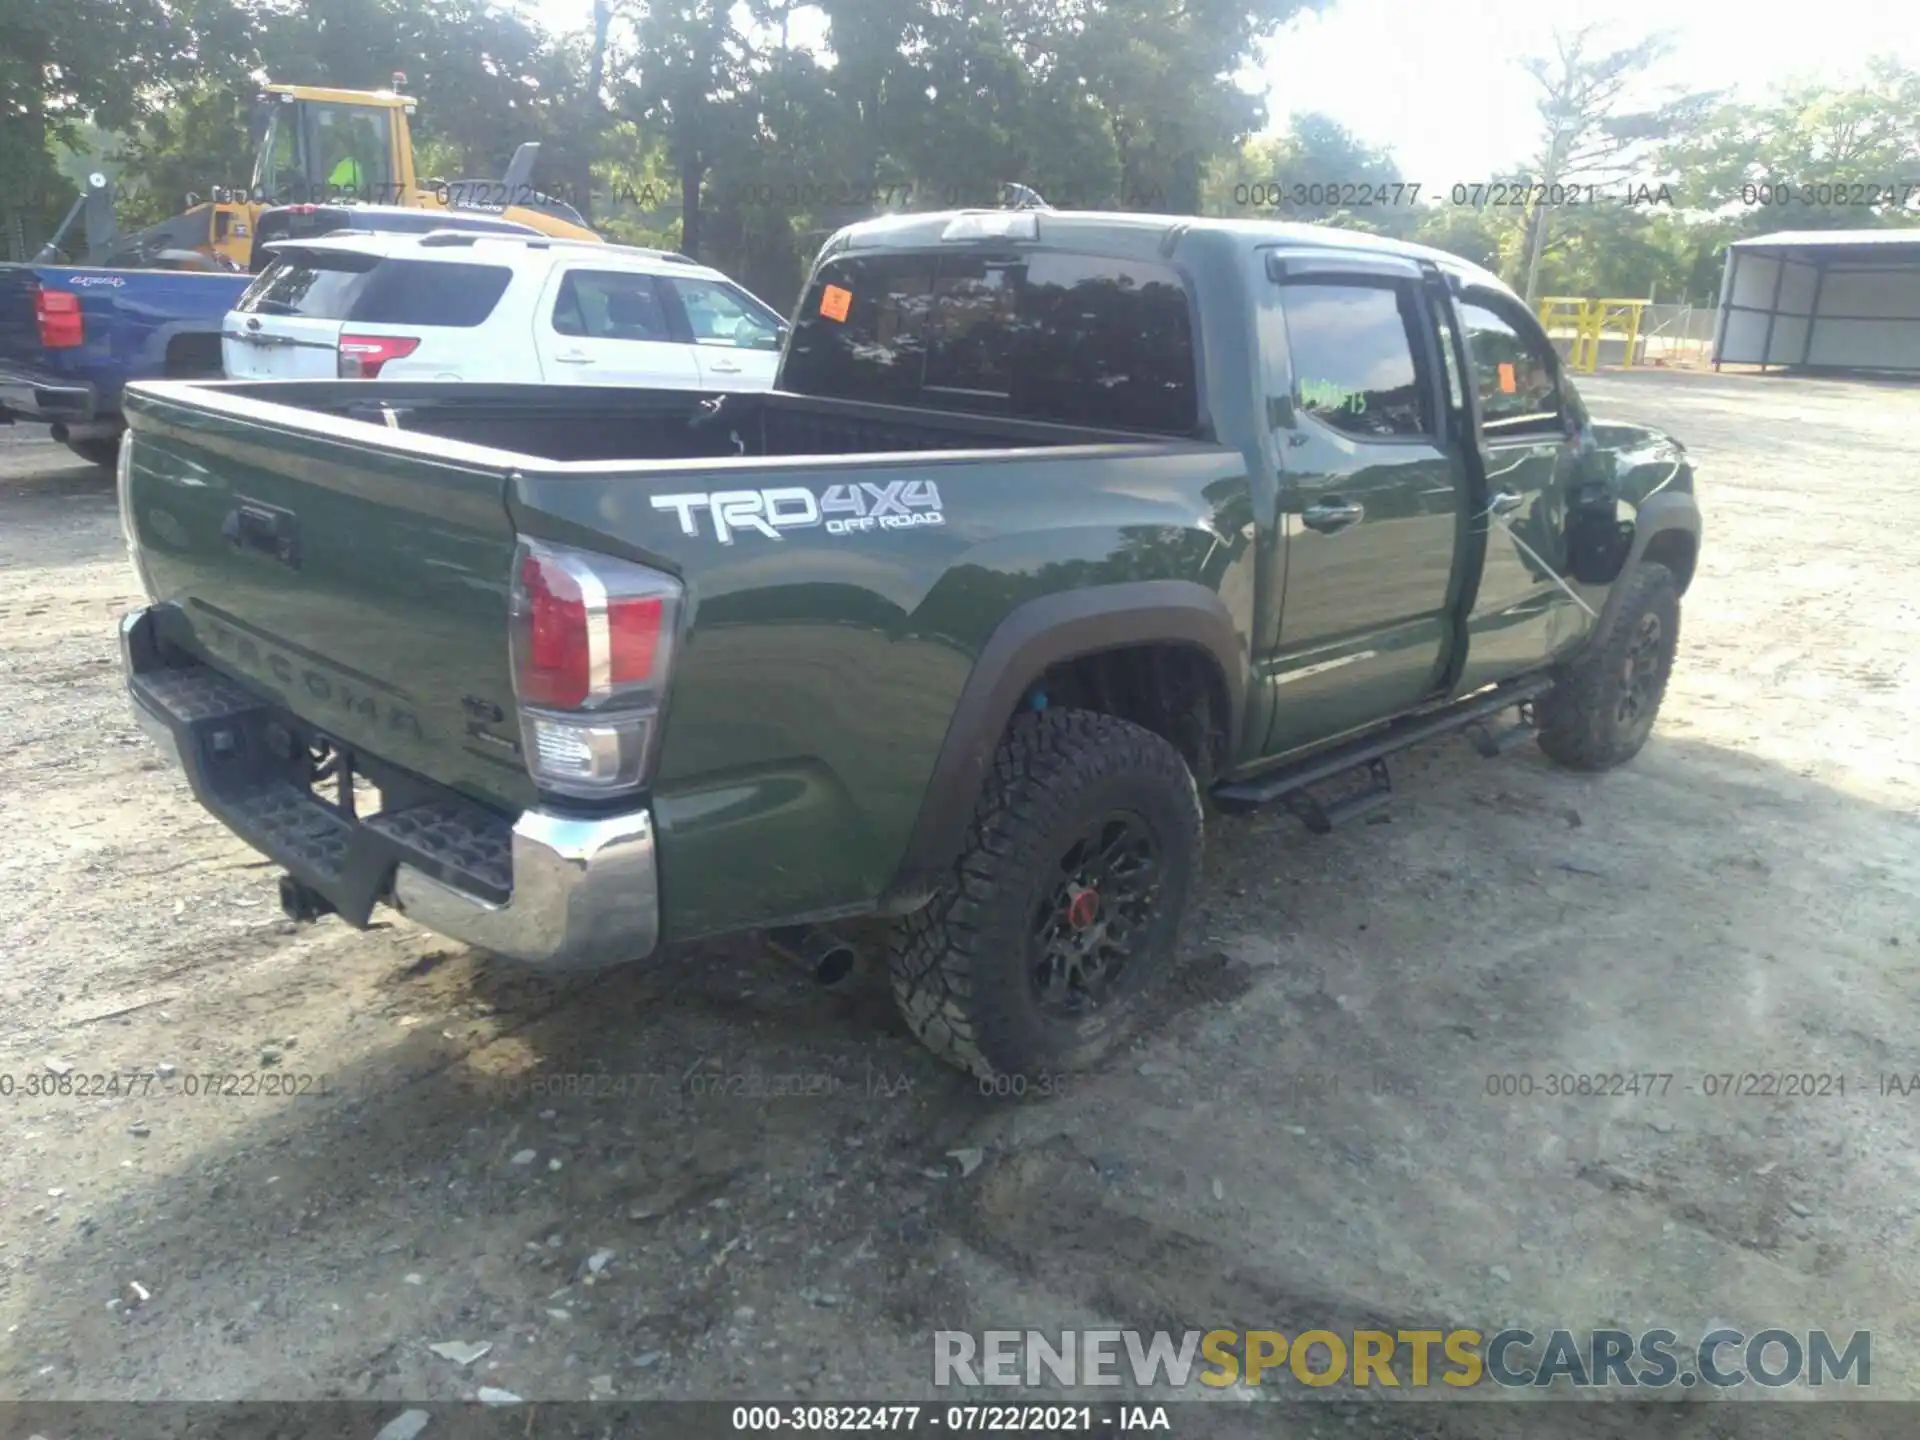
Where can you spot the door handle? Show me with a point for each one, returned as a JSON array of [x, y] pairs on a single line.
[[724, 369], [573, 357], [1505, 503], [267, 529], [1329, 516]]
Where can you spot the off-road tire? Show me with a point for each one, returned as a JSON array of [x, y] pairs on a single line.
[[961, 966], [105, 453], [1584, 720]]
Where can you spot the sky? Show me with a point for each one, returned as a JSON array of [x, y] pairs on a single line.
[[1439, 83]]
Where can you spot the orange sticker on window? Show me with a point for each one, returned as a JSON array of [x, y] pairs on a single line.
[[834, 302], [1507, 383]]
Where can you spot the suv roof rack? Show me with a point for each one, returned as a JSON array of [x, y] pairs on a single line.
[[466, 238]]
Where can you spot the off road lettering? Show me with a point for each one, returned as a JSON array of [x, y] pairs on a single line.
[[841, 509]]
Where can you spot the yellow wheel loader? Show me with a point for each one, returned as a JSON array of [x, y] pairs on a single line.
[[318, 150]]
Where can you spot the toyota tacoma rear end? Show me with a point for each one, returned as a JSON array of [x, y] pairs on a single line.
[[1054, 523]]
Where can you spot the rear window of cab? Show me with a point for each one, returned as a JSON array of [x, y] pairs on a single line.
[[369, 290], [1045, 335]]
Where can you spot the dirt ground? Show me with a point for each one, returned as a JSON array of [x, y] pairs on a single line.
[[1308, 1141]]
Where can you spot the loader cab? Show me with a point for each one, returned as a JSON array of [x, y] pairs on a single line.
[[316, 146]]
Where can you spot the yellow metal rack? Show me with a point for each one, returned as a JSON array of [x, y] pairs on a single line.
[[1592, 318]]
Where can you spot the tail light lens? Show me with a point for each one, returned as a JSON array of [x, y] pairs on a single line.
[[58, 314], [592, 646], [361, 356]]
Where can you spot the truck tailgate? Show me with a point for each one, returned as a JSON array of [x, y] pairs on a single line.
[[355, 576], [19, 331]]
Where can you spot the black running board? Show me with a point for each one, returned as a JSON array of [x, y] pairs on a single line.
[[1290, 783], [1321, 817]]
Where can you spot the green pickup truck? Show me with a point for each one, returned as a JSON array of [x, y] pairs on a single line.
[[1058, 529]]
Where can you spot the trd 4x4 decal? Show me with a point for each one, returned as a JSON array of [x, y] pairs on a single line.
[[842, 509]]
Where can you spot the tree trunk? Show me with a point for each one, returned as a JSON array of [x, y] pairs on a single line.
[[1537, 217], [691, 173], [1536, 247], [869, 174], [1185, 196], [592, 114], [1123, 153]]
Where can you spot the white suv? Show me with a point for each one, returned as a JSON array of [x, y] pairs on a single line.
[[459, 305]]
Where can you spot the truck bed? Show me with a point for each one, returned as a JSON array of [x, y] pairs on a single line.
[[571, 424]]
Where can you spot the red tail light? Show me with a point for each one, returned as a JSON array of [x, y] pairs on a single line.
[[592, 643], [557, 668], [361, 356], [58, 313]]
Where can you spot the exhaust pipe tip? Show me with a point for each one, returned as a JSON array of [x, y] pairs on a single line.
[[63, 431], [828, 960]]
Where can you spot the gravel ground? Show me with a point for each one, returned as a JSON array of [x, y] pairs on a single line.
[[1307, 1141]]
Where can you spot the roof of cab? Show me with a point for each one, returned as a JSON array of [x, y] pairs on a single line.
[[1130, 233]]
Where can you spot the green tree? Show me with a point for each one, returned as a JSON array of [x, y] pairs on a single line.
[[688, 84], [105, 62], [1810, 157], [186, 148], [1315, 172], [1484, 235], [1165, 78], [1597, 124]]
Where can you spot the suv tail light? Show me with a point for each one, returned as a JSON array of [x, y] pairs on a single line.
[[361, 356], [592, 641], [58, 314]]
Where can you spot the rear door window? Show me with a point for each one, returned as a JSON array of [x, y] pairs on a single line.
[[1356, 364], [612, 305], [1052, 336], [340, 285]]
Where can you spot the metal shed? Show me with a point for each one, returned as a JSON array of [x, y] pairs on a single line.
[[1822, 300]]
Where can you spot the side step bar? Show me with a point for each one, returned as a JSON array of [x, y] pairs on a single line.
[[1321, 818], [1290, 783]]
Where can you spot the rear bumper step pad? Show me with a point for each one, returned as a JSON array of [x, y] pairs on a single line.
[[552, 889], [218, 734]]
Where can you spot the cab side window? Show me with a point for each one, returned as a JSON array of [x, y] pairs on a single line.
[[1356, 364], [719, 315], [1517, 378]]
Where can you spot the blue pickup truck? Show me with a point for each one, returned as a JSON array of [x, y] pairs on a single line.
[[72, 335]]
